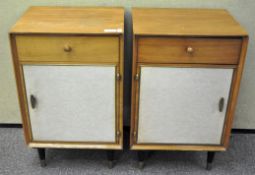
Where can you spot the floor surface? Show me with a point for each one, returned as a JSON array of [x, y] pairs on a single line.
[[17, 159]]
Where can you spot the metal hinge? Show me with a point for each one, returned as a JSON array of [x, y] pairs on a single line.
[[118, 76], [137, 77], [134, 135], [118, 134]]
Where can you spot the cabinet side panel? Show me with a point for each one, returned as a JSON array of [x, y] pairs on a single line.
[[73, 103], [181, 105]]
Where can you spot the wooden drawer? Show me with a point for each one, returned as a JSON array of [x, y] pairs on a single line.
[[189, 50], [89, 49]]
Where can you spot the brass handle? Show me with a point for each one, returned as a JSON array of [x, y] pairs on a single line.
[[189, 50], [67, 48], [221, 104], [33, 101]]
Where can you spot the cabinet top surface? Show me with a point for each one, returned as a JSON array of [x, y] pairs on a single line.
[[185, 22], [71, 20]]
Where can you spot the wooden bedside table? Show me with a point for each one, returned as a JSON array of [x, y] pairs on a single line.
[[187, 68], [69, 67]]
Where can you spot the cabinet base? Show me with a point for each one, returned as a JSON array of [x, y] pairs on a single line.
[[110, 158], [210, 158], [141, 156], [42, 155]]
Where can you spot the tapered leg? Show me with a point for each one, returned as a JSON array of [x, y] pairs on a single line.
[[141, 156], [210, 157], [110, 158], [41, 153]]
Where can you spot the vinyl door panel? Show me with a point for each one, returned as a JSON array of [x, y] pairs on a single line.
[[181, 105], [73, 103]]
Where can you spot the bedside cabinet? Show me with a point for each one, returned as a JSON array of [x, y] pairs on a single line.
[[187, 68], [69, 71]]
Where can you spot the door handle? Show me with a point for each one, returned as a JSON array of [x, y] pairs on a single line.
[[221, 104], [33, 101]]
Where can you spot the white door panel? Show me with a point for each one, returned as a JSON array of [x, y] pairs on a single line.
[[74, 103], [180, 105]]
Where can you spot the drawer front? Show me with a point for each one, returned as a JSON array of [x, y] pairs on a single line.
[[183, 105], [68, 48], [189, 50]]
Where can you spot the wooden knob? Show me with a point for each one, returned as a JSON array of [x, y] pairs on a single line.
[[67, 48], [190, 50]]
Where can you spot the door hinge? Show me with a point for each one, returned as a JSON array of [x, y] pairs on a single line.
[[118, 134], [118, 76], [137, 77], [134, 135]]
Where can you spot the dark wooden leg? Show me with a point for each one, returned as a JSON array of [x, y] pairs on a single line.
[[141, 156], [41, 153], [110, 158], [210, 157]]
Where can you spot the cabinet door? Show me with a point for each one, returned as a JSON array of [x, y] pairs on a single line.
[[71, 103], [181, 105]]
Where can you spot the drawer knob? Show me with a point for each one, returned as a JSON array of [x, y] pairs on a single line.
[[190, 50], [67, 48]]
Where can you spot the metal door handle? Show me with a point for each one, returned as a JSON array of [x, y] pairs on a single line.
[[33, 101], [221, 104]]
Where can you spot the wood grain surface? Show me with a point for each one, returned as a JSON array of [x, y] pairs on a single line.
[[185, 22], [71, 20]]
